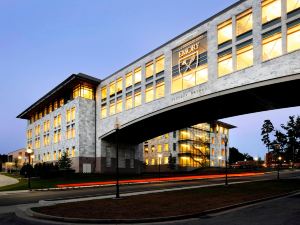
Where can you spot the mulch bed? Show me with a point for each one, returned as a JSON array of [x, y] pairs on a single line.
[[171, 203]]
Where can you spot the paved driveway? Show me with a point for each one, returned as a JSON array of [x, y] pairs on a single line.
[[5, 180]]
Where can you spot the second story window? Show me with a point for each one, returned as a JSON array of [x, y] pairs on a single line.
[[292, 5], [137, 98], [149, 94], [112, 88], [244, 23], [272, 45], [128, 81], [244, 56], [160, 89], [103, 93], [225, 64], [73, 113], [103, 111], [137, 75], [293, 37], [68, 115], [129, 102], [149, 69]]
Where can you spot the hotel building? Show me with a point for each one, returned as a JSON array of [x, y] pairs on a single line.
[[198, 146], [249, 42]]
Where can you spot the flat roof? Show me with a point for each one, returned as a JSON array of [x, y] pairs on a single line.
[[65, 83]]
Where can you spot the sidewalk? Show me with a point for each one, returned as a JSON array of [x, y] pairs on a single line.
[[5, 180]]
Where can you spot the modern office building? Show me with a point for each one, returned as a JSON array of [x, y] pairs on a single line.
[[198, 146], [16, 159], [230, 64]]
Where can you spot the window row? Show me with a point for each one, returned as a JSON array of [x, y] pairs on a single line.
[[57, 155], [134, 77], [152, 92], [159, 148], [158, 161]]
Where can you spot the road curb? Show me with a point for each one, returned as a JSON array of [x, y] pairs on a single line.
[[29, 213]]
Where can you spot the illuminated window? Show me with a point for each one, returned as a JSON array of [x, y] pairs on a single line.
[[225, 65], [112, 108], [160, 89], [159, 148], [61, 102], [55, 105], [59, 154], [40, 115], [83, 91], [50, 108], [152, 148], [69, 132], [73, 131], [54, 155], [149, 94], [129, 102], [137, 99], [103, 93], [119, 84], [37, 130], [147, 162], [291, 5], [68, 115], [58, 120], [188, 80], [103, 112], [137, 75], [73, 151], [152, 162], [112, 88], [58, 136], [166, 147], [149, 69], [159, 64], [244, 57], [166, 160], [45, 126], [244, 22], [176, 83], [128, 80], [119, 105], [225, 32], [201, 75], [55, 137], [213, 151], [167, 136], [293, 38], [73, 113], [45, 111], [213, 140], [272, 46], [67, 152], [223, 152], [271, 9]]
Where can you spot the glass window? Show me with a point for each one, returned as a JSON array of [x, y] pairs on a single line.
[[244, 22], [166, 160], [149, 69], [119, 84], [225, 65], [291, 5], [188, 80], [112, 108], [225, 32], [61, 102], [112, 88], [119, 106], [103, 112], [202, 75], [103, 93], [73, 131], [272, 47], [68, 115], [293, 38], [244, 57], [149, 93], [73, 151], [83, 91], [59, 120], [128, 102], [137, 75], [159, 148], [271, 9], [160, 90], [159, 64], [128, 81], [177, 84], [73, 113], [166, 147], [137, 99]]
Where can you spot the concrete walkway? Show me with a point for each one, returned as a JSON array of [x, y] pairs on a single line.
[[5, 180]]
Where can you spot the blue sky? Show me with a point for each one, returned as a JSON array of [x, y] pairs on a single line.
[[43, 42]]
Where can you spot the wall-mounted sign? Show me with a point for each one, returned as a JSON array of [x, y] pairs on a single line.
[[186, 56]]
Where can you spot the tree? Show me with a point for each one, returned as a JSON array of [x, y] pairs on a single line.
[[172, 162], [235, 155], [65, 162], [266, 130]]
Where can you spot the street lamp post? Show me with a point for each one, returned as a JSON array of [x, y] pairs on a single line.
[[159, 161], [117, 127], [29, 152], [278, 166], [226, 172]]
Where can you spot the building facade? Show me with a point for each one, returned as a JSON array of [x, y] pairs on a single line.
[[248, 45], [16, 159], [198, 146]]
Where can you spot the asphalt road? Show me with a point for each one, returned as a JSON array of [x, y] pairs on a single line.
[[284, 211], [36, 196]]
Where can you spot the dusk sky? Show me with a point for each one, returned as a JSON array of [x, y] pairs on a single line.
[[43, 42]]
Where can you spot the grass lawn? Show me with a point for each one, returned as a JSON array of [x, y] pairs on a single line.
[[172, 203]]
